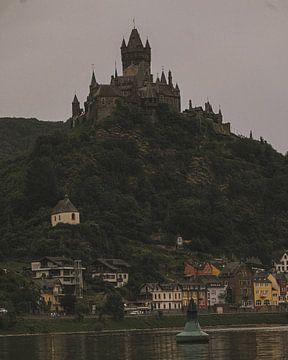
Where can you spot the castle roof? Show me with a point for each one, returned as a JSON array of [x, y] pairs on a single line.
[[135, 41], [107, 91], [64, 206]]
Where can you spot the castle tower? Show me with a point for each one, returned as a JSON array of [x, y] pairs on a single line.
[[76, 111], [65, 213], [135, 53]]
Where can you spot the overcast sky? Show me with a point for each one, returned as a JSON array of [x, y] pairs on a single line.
[[233, 51]]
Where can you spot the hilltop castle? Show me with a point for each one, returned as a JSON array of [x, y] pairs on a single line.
[[136, 85]]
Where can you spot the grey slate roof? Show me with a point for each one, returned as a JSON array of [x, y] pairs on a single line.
[[107, 91], [64, 206], [113, 264]]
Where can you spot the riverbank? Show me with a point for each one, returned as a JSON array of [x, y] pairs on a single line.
[[44, 325]]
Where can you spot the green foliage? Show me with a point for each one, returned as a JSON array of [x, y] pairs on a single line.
[[114, 306], [133, 176], [17, 294]]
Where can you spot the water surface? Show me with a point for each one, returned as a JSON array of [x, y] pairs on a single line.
[[244, 344]]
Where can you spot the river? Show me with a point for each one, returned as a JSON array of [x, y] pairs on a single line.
[[247, 344]]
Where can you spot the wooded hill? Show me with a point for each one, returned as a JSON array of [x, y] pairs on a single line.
[[137, 178]]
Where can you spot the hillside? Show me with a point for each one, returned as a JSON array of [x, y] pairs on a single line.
[[136, 179], [19, 134]]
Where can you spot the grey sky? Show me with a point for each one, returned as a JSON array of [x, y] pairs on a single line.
[[233, 51]]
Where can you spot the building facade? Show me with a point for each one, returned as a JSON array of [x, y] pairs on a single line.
[[167, 297], [67, 271], [65, 213], [135, 85], [238, 277], [113, 271]]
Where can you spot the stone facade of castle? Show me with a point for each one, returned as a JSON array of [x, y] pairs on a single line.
[[137, 85]]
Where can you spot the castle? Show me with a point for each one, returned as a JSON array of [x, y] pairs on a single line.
[[136, 85]]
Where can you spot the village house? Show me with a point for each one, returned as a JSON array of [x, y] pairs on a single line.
[[51, 292], [282, 280], [67, 271], [266, 290], [281, 262], [167, 297], [65, 213], [113, 271], [238, 277], [196, 290], [193, 269], [216, 291]]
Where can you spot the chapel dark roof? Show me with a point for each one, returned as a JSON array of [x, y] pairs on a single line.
[[64, 206]]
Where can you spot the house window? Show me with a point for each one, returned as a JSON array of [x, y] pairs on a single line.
[[73, 216], [266, 302], [59, 217], [258, 302], [164, 296], [103, 101], [55, 218]]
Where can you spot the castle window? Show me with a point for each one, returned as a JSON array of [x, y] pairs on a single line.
[[73, 216], [55, 218], [103, 101], [59, 217]]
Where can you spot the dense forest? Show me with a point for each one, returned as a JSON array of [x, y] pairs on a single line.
[[136, 178]]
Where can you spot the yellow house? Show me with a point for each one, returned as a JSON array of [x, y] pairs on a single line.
[[51, 292], [266, 290]]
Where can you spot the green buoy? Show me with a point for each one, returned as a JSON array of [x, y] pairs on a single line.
[[192, 332]]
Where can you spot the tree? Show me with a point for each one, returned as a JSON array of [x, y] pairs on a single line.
[[114, 306]]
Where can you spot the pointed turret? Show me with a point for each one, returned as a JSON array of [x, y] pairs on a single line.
[[116, 72], [177, 87], [93, 80], [251, 135], [123, 45], [170, 78], [147, 45], [75, 100], [76, 111], [190, 105], [163, 78]]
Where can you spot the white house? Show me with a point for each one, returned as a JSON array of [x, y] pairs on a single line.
[[163, 296], [281, 264], [65, 213]]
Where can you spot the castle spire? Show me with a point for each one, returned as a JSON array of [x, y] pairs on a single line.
[[76, 111], [116, 72], [93, 80], [190, 105], [123, 45], [147, 45], [170, 78], [163, 78]]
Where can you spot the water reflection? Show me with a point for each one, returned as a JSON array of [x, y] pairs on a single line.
[[228, 345]]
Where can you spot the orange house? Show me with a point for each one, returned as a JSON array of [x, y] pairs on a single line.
[[202, 269]]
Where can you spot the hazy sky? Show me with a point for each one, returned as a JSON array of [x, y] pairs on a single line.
[[233, 51]]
